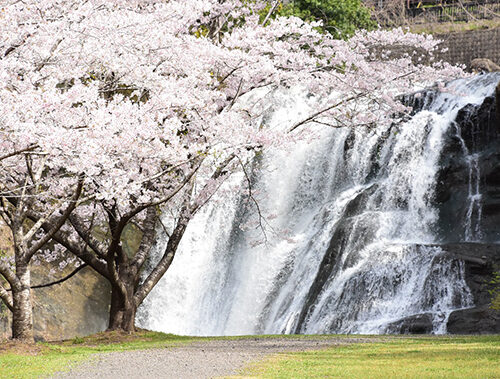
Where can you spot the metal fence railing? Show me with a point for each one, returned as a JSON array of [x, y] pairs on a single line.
[[451, 11]]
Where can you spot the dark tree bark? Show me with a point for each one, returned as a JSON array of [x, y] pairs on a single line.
[[123, 307], [122, 312]]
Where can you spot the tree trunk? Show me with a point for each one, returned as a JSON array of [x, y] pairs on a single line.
[[22, 312], [115, 310], [122, 311], [128, 318]]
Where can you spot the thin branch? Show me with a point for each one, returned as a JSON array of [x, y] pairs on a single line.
[[354, 97], [271, 11], [29, 168], [238, 92], [27, 237], [148, 237], [316, 114], [6, 216], [229, 74], [73, 273], [8, 274], [164, 227], [46, 60], [140, 208], [221, 25], [250, 195], [7, 299], [17, 152], [169, 170], [186, 213], [11, 48], [216, 175], [84, 255], [59, 223], [167, 258], [69, 276], [73, 248], [466, 11], [86, 235]]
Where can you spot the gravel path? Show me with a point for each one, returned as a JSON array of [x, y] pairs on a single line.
[[206, 359]]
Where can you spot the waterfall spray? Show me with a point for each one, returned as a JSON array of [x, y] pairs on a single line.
[[361, 251]]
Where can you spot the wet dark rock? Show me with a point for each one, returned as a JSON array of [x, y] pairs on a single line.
[[479, 320], [479, 124], [349, 141], [497, 96], [419, 100], [416, 324], [481, 261], [477, 131], [330, 264]]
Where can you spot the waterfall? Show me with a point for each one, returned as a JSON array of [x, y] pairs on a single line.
[[350, 239]]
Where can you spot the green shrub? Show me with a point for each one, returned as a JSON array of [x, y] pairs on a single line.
[[341, 18], [495, 291], [78, 340]]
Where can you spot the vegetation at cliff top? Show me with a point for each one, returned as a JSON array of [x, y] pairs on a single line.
[[394, 356], [340, 18]]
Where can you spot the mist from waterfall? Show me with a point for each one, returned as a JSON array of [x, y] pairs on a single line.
[[349, 242]]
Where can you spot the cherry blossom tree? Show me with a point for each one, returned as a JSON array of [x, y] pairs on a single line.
[[115, 111], [24, 189]]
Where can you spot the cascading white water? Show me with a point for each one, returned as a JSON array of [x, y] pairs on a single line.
[[351, 246]]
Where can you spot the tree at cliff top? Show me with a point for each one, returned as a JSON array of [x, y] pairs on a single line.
[[120, 109], [340, 18]]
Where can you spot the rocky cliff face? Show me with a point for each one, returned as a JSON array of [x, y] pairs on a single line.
[[76, 307], [481, 260], [478, 127], [471, 157], [470, 166]]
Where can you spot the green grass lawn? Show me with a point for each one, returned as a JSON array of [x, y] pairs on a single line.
[[393, 357], [399, 357]]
